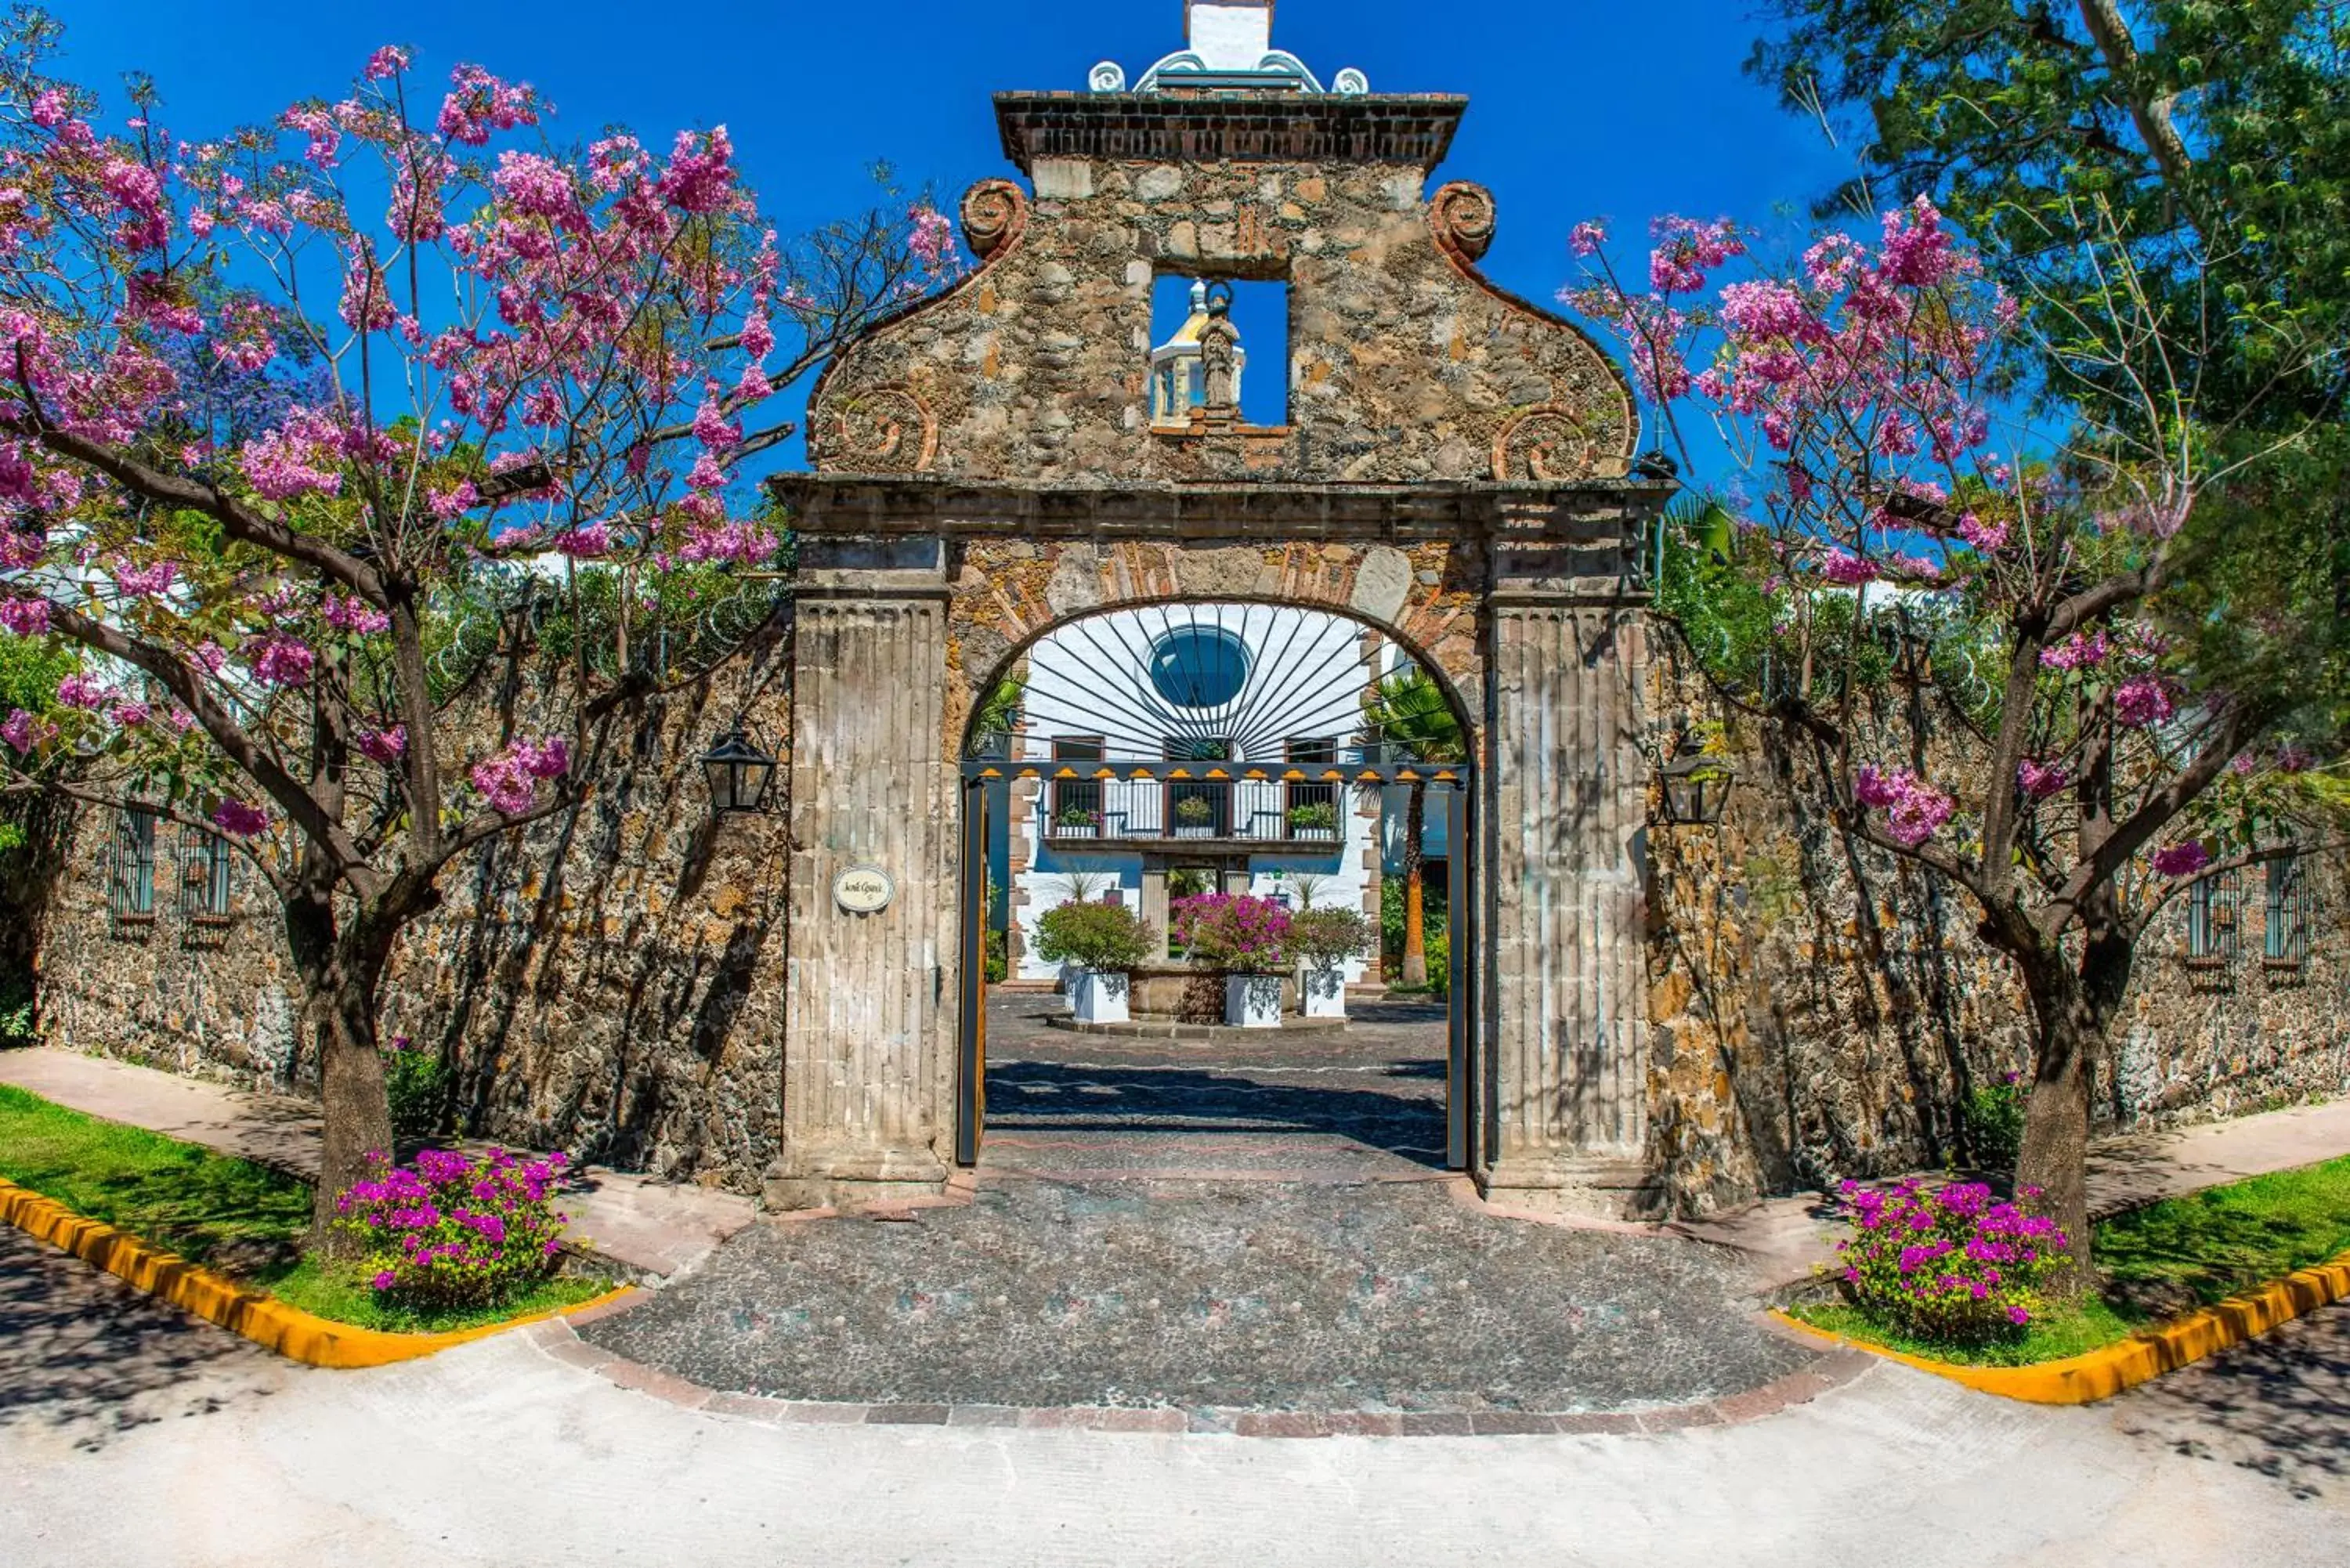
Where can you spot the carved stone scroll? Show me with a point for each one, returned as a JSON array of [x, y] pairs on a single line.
[[1462, 216], [886, 430], [1546, 441], [994, 213]]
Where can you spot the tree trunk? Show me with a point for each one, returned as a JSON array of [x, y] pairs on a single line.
[[1415, 920], [340, 971], [2055, 1159]]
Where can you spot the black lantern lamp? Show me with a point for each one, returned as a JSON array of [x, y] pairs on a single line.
[[739, 772], [1696, 787]]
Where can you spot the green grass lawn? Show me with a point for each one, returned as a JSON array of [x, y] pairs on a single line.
[[2158, 1261], [244, 1219]]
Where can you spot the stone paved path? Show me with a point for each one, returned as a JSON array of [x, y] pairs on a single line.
[[1260, 1223], [1255, 1296]]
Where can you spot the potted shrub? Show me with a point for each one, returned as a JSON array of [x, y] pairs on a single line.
[[1195, 817], [1322, 940], [1103, 941], [1246, 937], [1315, 819], [1074, 821]]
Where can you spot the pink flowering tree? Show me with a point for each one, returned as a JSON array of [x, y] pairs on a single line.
[[1996, 658], [449, 343]]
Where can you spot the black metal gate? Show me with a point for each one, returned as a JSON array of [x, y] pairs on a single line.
[[1123, 805]]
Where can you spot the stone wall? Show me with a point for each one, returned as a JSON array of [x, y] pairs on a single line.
[[1820, 1009], [600, 983], [1404, 365]]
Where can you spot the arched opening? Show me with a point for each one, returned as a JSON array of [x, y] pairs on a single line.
[[1195, 769]]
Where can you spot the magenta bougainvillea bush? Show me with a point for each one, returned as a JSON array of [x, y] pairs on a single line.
[[1233, 932], [1950, 1262], [453, 1228]]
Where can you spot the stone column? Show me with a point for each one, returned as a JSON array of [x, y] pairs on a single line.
[[869, 998], [1563, 799]]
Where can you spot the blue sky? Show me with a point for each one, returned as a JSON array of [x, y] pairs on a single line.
[[1578, 107]]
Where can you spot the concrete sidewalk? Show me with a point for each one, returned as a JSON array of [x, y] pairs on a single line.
[[1782, 1237], [653, 1228]]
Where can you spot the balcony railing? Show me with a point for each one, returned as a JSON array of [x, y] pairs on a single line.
[[1251, 811]]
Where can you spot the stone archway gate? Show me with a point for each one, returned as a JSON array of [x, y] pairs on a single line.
[[911, 595], [1454, 467]]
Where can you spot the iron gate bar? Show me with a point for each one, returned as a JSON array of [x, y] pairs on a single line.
[[971, 1083], [1451, 776], [1460, 1002]]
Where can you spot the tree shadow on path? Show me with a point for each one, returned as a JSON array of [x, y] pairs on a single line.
[[2279, 1406], [84, 1357]]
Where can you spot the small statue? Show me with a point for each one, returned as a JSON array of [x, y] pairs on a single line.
[[1218, 360]]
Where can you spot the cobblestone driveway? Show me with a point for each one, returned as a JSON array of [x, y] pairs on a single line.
[[1259, 1223]]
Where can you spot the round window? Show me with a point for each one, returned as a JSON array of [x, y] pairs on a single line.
[[1199, 665]]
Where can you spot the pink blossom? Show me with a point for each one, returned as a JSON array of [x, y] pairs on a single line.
[[584, 543], [49, 109], [508, 778], [1986, 538], [1585, 238], [144, 582], [78, 691], [366, 297], [281, 660], [1843, 567], [2181, 859], [18, 730], [931, 243], [699, 178], [446, 504], [710, 429], [386, 62], [1915, 810], [758, 337], [481, 103], [25, 618], [2141, 701], [353, 614], [2082, 650], [239, 818], [385, 746], [296, 459], [2039, 779], [129, 715]]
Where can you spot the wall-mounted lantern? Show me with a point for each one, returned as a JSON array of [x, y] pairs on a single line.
[[740, 773], [1696, 787]]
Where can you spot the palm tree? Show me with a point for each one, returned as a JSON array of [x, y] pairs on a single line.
[[1408, 713]]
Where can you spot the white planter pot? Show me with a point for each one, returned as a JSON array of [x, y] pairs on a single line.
[[1100, 995], [1314, 835], [1185, 830], [1075, 830], [1322, 992], [1252, 1001]]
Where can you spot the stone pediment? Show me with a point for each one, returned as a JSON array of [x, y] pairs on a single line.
[[1404, 363]]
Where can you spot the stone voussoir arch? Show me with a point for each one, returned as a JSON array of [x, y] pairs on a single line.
[[1010, 595]]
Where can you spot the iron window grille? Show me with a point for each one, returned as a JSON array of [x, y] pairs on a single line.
[[205, 876], [1077, 803], [1305, 806], [2212, 907], [2284, 935], [130, 868]]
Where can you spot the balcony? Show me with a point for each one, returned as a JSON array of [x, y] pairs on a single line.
[[1253, 812]]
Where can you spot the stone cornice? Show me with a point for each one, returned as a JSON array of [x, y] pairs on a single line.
[[1413, 129], [1583, 512]]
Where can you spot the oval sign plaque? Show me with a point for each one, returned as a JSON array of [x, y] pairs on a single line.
[[863, 890]]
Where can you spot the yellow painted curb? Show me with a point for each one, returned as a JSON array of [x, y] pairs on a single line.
[[2105, 1372], [256, 1315]]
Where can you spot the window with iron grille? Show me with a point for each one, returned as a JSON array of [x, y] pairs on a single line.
[[131, 870], [1077, 803], [2212, 903], [2285, 937], [203, 875]]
